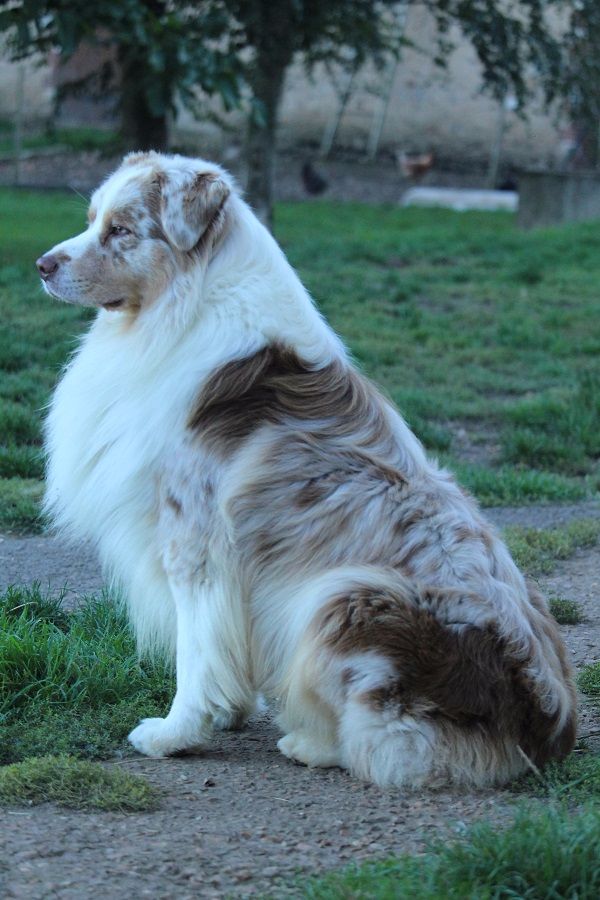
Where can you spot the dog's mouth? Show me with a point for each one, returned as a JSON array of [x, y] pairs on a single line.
[[114, 304]]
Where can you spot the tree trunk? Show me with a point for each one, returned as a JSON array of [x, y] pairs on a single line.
[[141, 129], [260, 149], [272, 38]]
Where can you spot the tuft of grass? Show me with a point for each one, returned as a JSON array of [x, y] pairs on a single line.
[[76, 784], [536, 550], [71, 683], [589, 681], [565, 611], [547, 854]]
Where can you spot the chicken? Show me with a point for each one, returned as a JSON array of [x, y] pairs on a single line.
[[415, 167], [313, 182]]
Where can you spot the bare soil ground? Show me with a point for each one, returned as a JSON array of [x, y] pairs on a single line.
[[242, 820]]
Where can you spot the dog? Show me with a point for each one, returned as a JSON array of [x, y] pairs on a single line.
[[271, 519]]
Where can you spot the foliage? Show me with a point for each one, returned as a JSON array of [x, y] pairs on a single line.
[[76, 139], [547, 854], [511, 40], [164, 50], [580, 70], [76, 784], [201, 44]]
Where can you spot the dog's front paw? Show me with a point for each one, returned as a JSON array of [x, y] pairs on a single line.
[[158, 737], [304, 748]]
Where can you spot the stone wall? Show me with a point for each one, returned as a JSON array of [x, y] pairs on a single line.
[[38, 90]]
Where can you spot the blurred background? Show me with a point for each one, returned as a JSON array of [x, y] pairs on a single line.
[[355, 99]]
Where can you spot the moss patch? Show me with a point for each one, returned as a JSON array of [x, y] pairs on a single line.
[[74, 783]]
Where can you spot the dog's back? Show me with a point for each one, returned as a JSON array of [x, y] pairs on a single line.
[[376, 586]]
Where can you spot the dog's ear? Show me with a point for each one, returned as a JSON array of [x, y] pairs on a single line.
[[192, 207]]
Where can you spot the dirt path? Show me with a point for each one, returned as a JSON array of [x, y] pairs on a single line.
[[237, 820]]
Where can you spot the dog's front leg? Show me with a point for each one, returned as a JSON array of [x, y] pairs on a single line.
[[212, 677]]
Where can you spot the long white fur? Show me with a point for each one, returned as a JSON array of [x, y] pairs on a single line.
[[118, 421]]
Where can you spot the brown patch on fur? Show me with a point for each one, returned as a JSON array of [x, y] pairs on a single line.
[[91, 215], [275, 386], [465, 675], [217, 219]]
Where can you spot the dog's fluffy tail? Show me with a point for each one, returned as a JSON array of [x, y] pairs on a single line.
[[429, 686]]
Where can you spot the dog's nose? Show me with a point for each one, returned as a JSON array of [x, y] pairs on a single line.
[[47, 265]]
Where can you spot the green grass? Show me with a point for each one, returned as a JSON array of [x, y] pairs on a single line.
[[76, 139], [589, 681], [20, 500], [550, 855], [35, 340], [76, 784], [464, 320], [559, 430], [515, 486], [71, 683], [565, 611], [575, 779], [536, 550]]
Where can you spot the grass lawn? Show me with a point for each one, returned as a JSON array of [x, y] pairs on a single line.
[[469, 325]]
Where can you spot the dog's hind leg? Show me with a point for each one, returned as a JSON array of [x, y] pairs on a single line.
[[307, 716], [213, 684]]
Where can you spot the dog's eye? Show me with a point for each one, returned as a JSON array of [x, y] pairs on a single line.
[[118, 230]]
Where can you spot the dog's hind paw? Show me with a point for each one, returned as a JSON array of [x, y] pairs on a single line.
[[158, 737], [304, 748]]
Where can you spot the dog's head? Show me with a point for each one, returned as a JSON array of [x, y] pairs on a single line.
[[153, 217]]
